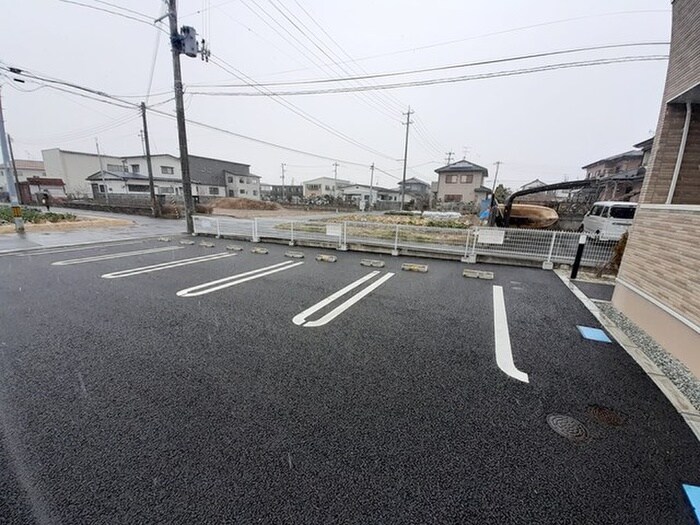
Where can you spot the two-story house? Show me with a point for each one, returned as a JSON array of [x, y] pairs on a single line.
[[461, 181], [323, 186]]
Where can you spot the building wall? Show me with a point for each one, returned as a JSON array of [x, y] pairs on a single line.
[[245, 187], [466, 190], [658, 285], [327, 187], [602, 169]]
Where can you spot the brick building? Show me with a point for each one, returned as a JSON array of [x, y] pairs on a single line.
[[658, 286]]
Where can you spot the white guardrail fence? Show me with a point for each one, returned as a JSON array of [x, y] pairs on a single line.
[[546, 246]]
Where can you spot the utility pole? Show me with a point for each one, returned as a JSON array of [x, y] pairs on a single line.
[[16, 210], [149, 165], [14, 168], [176, 41], [405, 153], [449, 156], [335, 180], [283, 165], [492, 212], [371, 184], [102, 171]]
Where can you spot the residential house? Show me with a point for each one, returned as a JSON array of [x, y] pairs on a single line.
[[615, 164], [223, 178], [415, 186], [82, 174], [461, 181], [657, 286], [357, 193], [543, 196], [323, 186], [620, 177]]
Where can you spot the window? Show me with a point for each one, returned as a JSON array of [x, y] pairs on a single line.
[[451, 179], [313, 187], [453, 198], [605, 211], [467, 179], [241, 180], [135, 168], [247, 181], [137, 187], [166, 189], [231, 193], [255, 192], [102, 188], [230, 180], [595, 211], [622, 212], [213, 190], [116, 167], [328, 188], [242, 192], [167, 170]]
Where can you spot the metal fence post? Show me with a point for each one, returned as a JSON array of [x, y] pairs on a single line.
[[579, 253], [255, 231], [343, 238], [291, 239], [218, 229], [548, 264], [465, 258], [395, 251]]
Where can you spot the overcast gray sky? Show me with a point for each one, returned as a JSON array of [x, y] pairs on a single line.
[[543, 125]]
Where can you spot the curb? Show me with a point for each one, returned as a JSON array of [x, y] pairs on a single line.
[[681, 403]]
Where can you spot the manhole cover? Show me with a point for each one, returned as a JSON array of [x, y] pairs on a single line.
[[607, 416], [568, 427]]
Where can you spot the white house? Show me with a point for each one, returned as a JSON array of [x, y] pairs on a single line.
[[83, 175], [323, 186]]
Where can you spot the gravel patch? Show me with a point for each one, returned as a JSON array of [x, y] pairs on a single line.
[[672, 368]]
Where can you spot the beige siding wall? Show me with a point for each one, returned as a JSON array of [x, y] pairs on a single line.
[[662, 258], [466, 190]]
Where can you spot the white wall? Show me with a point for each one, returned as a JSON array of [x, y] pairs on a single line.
[[243, 186]]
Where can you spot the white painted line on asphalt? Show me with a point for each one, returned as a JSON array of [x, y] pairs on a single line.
[[226, 282], [300, 319], [166, 265], [504, 353], [347, 304], [109, 256], [48, 251]]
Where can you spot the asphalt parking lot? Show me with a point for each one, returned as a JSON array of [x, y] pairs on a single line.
[[160, 382]]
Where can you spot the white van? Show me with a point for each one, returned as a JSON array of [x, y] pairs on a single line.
[[608, 220]]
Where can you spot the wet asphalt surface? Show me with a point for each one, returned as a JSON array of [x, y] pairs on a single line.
[[121, 402]]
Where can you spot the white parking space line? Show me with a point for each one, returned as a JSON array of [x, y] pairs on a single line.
[[504, 352], [166, 265], [48, 251], [109, 256], [300, 319], [226, 282]]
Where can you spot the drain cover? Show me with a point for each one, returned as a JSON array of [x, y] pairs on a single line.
[[607, 416], [568, 427]]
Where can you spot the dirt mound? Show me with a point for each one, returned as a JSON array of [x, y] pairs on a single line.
[[235, 203]]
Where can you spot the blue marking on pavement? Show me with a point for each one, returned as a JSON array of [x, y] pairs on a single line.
[[594, 334], [693, 494]]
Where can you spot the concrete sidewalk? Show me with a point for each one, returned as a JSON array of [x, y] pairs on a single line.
[[140, 227]]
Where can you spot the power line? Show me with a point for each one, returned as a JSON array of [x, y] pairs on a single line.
[[495, 33], [109, 99], [447, 67], [446, 80], [295, 109]]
